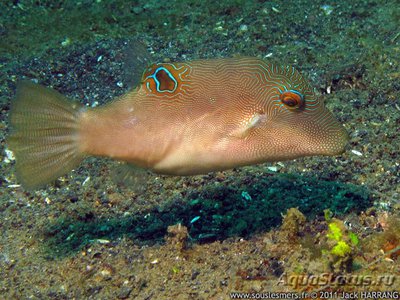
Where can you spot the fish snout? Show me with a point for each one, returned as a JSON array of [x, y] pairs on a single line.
[[335, 141], [326, 136]]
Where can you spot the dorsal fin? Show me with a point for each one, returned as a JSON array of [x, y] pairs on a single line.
[[136, 59]]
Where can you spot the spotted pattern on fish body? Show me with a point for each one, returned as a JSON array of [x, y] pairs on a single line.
[[195, 117]]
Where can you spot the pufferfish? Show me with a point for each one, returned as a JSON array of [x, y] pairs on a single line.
[[184, 118]]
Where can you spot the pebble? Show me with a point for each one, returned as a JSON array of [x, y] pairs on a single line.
[[194, 219], [102, 241], [66, 42], [246, 196], [86, 180], [327, 9], [13, 185], [358, 153], [124, 292], [9, 156], [275, 10], [243, 28], [137, 10]]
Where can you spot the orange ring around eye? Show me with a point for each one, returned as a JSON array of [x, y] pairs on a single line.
[[292, 99]]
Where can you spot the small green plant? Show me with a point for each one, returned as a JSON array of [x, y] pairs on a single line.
[[175, 270], [343, 244], [353, 238]]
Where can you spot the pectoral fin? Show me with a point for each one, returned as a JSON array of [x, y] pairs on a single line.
[[248, 125]]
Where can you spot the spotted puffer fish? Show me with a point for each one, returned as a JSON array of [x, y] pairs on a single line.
[[184, 118]]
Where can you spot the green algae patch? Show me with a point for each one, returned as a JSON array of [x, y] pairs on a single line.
[[213, 212], [227, 211]]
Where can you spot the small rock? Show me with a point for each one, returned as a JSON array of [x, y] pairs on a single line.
[[243, 28], [194, 275], [137, 9], [107, 272], [327, 9], [358, 153], [9, 156], [66, 42], [177, 236], [124, 292]]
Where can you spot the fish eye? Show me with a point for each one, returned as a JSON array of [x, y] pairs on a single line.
[[292, 99]]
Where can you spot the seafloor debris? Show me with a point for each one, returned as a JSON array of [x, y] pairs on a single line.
[[177, 236]]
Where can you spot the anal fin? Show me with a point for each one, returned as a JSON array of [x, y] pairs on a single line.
[[131, 176]]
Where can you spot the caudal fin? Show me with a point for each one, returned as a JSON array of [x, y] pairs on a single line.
[[44, 135]]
